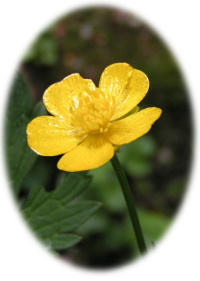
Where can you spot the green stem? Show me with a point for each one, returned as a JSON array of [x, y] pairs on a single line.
[[130, 203]]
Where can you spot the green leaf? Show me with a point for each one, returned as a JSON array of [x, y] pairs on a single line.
[[136, 157], [20, 158], [63, 241], [53, 217], [39, 110], [43, 51], [153, 224]]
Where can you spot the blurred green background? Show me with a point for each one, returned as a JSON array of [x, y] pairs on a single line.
[[157, 165]]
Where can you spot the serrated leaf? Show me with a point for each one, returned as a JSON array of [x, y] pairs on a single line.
[[20, 158], [62, 241], [51, 215]]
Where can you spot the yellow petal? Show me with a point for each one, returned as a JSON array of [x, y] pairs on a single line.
[[49, 136], [128, 85], [92, 153], [58, 97], [132, 127]]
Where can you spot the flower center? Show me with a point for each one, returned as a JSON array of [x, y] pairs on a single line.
[[91, 112]]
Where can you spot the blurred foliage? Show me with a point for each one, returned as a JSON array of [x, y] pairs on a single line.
[[157, 165]]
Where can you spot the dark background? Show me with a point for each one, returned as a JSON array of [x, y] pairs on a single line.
[[157, 165]]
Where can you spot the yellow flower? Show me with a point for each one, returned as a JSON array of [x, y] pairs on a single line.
[[88, 122]]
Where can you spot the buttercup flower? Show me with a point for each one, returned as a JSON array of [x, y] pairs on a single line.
[[88, 122]]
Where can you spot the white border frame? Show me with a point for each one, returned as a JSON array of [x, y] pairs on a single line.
[[177, 256]]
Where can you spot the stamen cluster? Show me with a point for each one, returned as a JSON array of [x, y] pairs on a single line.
[[91, 112]]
